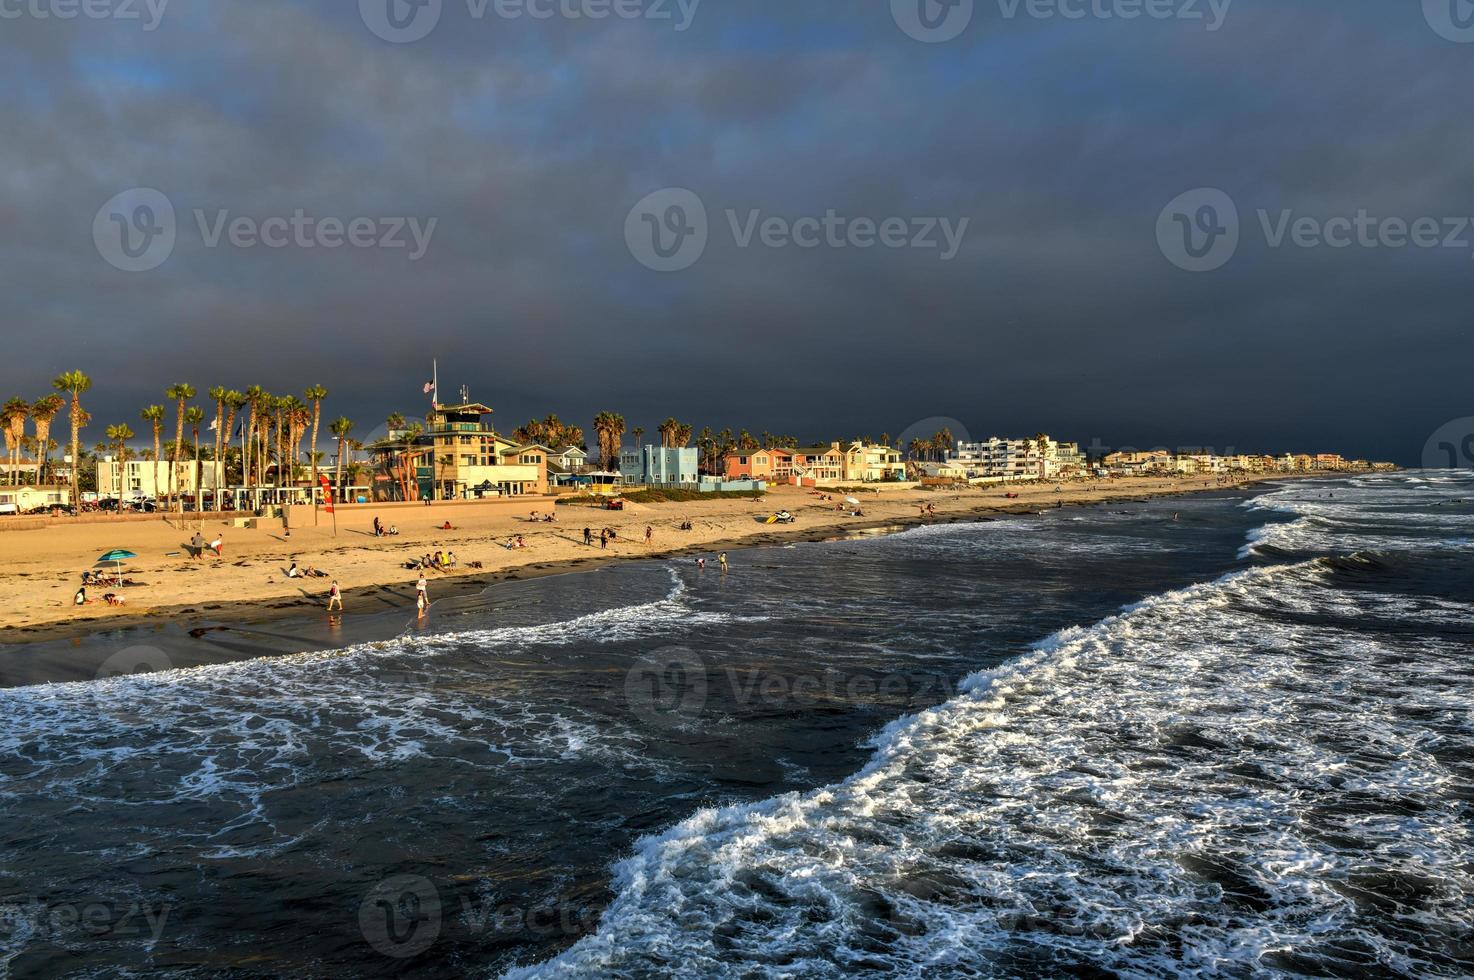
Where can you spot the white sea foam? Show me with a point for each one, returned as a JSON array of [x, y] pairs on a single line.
[[1197, 785]]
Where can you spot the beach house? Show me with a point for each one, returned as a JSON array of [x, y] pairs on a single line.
[[814, 465], [867, 463], [773, 465], [660, 466]]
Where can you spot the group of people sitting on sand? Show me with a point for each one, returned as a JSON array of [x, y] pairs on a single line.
[[548, 518], [440, 561], [515, 543], [392, 531], [308, 572]]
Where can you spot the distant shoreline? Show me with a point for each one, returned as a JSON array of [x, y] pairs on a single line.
[[68, 650]]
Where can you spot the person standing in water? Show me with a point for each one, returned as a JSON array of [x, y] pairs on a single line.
[[722, 560], [335, 597]]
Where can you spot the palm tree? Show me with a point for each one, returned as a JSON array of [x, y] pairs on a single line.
[[181, 393], [941, 443], [74, 383], [745, 442], [195, 416], [43, 412], [119, 434], [639, 434], [217, 395], [683, 435], [315, 395], [340, 429], [411, 460], [254, 394], [234, 402], [667, 430], [610, 429], [154, 415], [13, 424]]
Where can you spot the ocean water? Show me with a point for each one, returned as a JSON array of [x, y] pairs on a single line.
[[1225, 735]]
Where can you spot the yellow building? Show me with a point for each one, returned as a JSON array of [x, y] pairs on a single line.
[[462, 457]]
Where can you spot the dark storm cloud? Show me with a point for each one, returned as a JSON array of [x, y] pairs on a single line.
[[528, 142]]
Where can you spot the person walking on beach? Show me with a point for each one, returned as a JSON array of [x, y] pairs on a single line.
[[649, 535], [588, 537], [197, 545], [422, 587], [335, 597], [218, 545], [603, 539], [421, 605]]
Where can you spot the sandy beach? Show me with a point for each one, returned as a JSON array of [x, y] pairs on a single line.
[[41, 569]]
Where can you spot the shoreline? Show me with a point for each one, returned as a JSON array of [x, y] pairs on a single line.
[[82, 649]]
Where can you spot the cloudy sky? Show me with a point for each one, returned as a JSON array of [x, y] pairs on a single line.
[[803, 277]]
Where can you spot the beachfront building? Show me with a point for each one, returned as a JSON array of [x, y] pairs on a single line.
[[458, 456], [813, 465], [20, 500], [1039, 458], [771, 465], [135, 479], [660, 466], [1130, 462], [865, 463], [25, 472]]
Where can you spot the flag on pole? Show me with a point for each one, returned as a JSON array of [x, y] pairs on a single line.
[[327, 492], [429, 387], [215, 424]]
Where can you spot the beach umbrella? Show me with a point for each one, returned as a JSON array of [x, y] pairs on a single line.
[[117, 556], [852, 500]]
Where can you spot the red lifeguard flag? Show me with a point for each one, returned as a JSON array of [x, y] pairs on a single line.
[[327, 492]]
